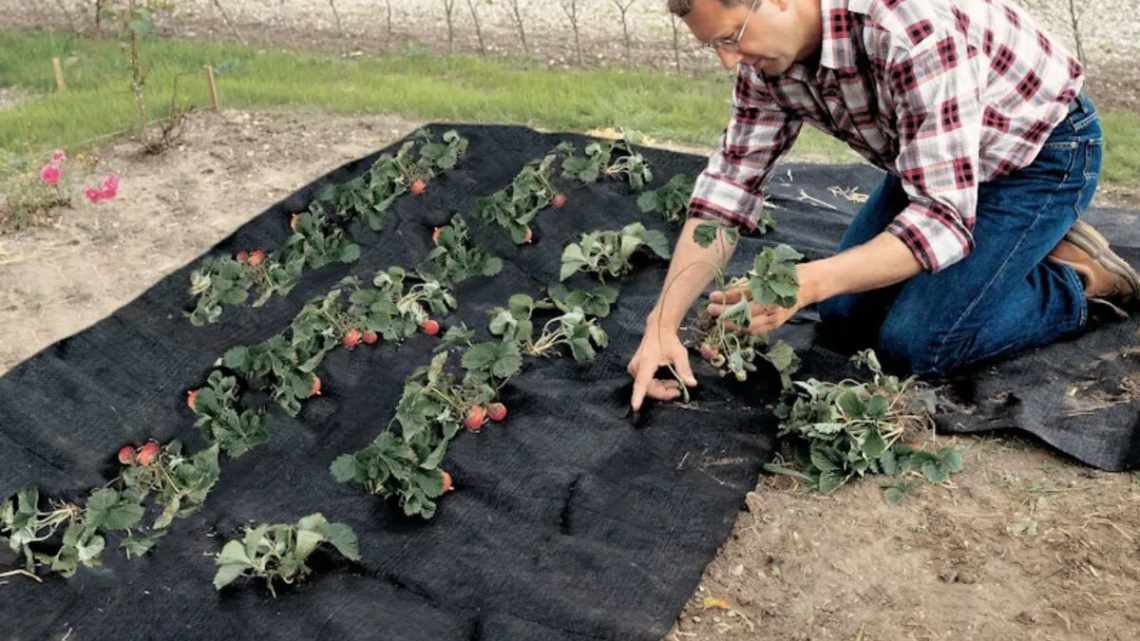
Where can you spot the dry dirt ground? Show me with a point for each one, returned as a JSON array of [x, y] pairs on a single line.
[[1022, 545]]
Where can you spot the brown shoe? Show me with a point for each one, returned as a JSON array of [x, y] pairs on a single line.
[[1105, 274]]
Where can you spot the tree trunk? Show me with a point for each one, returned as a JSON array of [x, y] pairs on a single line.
[[570, 8], [1075, 22], [676, 42], [478, 29], [230, 24], [336, 16], [449, 7], [519, 23], [624, 9]]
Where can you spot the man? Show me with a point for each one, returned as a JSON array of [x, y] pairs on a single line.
[[970, 249]]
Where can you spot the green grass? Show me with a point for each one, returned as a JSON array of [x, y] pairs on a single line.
[[414, 85]]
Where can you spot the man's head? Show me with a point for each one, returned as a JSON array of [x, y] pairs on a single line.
[[776, 33]]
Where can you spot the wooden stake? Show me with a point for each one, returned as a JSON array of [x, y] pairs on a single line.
[[59, 84], [213, 87]]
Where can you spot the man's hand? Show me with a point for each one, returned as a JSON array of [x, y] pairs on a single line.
[[658, 348], [764, 318]]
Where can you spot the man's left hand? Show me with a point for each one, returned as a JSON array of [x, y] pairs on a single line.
[[764, 318]]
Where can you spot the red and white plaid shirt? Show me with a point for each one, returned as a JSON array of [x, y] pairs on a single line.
[[943, 93]]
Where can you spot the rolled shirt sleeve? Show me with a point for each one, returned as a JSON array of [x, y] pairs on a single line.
[[729, 190], [937, 96]]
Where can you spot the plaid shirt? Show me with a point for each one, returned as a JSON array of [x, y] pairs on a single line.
[[942, 93]]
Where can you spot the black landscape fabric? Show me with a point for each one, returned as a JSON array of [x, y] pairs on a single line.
[[572, 520]]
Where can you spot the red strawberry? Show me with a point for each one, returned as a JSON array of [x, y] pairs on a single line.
[[476, 416], [293, 221], [528, 236], [497, 411], [447, 483], [127, 455], [418, 187], [147, 453], [430, 327], [370, 337], [559, 201], [435, 235], [315, 390], [256, 257], [192, 398], [242, 256], [352, 338]]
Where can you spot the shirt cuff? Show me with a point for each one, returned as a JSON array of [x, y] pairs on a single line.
[[720, 199], [935, 235]]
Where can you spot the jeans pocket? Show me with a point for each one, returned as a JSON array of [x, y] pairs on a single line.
[[1094, 157]]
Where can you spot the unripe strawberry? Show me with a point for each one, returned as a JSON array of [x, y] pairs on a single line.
[[147, 453], [447, 483], [430, 327], [476, 416], [497, 411], [528, 235], [370, 337], [418, 187], [352, 338], [293, 220], [127, 455], [435, 235], [242, 256], [192, 398], [256, 257], [559, 201], [315, 390]]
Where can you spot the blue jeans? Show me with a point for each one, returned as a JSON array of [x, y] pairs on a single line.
[[1003, 297]]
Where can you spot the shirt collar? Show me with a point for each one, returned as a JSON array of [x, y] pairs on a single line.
[[836, 51]]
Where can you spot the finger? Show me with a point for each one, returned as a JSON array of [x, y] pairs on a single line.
[[717, 296], [640, 386], [681, 361], [662, 391], [715, 310], [758, 309]]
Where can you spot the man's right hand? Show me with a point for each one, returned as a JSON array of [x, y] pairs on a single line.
[[658, 348]]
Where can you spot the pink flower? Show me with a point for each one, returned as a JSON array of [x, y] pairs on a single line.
[[58, 156], [106, 191], [50, 174]]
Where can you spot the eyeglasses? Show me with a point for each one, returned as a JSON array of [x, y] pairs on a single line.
[[732, 45]]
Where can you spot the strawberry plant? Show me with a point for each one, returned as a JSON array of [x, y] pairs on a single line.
[[318, 237], [285, 363], [218, 417], [455, 259], [671, 200], [279, 551], [429, 414], [608, 159], [771, 281], [314, 243], [851, 428], [594, 302], [179, 485], [515, 207], [608, 253], [513, 324], [369, 197]]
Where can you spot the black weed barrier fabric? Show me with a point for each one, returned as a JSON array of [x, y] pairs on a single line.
[[571, 520]]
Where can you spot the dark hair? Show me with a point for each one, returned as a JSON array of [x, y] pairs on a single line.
[[681, 8]]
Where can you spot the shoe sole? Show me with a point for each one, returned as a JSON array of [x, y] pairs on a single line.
[[1089, 240]]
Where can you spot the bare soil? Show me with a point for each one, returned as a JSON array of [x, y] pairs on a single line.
[[1023, 545]]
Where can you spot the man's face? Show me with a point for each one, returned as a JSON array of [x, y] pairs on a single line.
[[777, 34]]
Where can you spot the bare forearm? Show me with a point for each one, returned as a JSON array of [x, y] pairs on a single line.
[[691, 270], [880, 262]]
